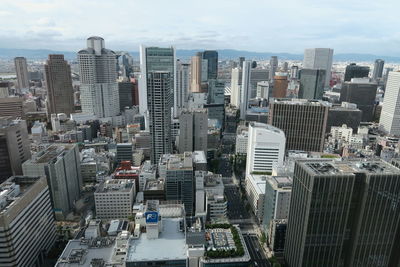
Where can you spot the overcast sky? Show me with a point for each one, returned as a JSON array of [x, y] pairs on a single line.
[[360, 26]]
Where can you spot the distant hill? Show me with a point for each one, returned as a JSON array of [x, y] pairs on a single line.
[[40, 54]]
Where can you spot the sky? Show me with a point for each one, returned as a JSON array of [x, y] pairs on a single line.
[[348, 26]]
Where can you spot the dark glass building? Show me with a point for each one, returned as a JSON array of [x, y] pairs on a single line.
[[362, 94], [212, 59], [355, 71], [312, 82]]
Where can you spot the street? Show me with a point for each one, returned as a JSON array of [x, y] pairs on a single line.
[[256, 253], [236, 208], [225, 168]]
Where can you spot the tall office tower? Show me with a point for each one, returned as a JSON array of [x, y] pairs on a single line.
[[312, 83], [361, 92], [179, 181], [216, 91], [60, 163], [257, 75], [265, 148], [378, 69], [241, 60], [273, 67], [125, 94], [60, 93], [319, 58], [21, 68], [135, 92], [195, 86], [159, 103], [302, 121], [278, 190], [294, 72], [343, 213], [26, 219], [236, 81], [355, 71], [182, 87], [245, 89], [154, 59], [281, 82], [212, 61], [98, 76], [14, 147], [193, 130], [390, 115], [285, 66]]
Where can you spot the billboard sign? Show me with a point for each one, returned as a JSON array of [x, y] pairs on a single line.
[[151, 217]]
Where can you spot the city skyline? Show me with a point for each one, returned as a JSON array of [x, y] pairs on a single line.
[[59, 24]]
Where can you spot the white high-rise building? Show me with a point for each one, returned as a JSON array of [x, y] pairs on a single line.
[[342, 132], [155, 59], [159, 102], [98, 76], [235, 86], [245, 89], [182, 87], [390, 115], [319, 58], [265, 149]]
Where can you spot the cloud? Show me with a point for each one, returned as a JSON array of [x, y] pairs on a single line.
[[255, 25]]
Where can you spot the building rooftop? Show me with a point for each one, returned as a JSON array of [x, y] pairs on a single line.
[[157, 184], [259, 182], [52, 152], [115, 185], [13, 189], [305, 102], [199, 157], [170, 245], [331, 167], [266, 127]]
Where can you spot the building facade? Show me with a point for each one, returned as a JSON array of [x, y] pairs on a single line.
[[343, 213], [302, 121], [98, 77], [159, 103], [319, 58], [312, 83], [390, 116], [26, 219], [60, 164], [21, 68], [60, 93]]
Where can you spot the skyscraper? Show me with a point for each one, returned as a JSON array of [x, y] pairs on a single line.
[[245, 89], [159, 103], [212, 61], [273, 67], [125, 93], [193, 130], [390, 115], [14, 147], [61, 165], [378, 69], [21, 68], [319, 58], [302, 121], [236, 83], [195, 86], [153, 59], [355, 71], [361, 92], [280, 85], [60, 94], [98, 76], [265, 148], [182, 87], [343, 213], [312, 84]]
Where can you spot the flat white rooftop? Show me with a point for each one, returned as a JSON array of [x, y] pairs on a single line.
[[171, 245]]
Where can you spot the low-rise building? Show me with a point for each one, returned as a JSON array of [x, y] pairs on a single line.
[[114, 199]]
